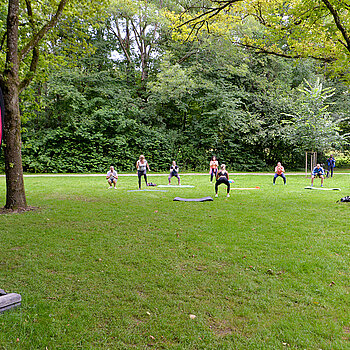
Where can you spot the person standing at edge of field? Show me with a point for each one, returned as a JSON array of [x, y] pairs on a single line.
[[279, 171], [331, 165], [174, 171], [142, 166], [222, 178], [112, 177], [317, 172], [214, 164]]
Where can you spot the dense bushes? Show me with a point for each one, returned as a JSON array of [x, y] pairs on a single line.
[[229, 103]]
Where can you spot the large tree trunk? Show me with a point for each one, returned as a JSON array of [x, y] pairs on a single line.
[[15, 194]]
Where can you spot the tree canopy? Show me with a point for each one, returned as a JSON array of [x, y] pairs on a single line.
[[308, 29]]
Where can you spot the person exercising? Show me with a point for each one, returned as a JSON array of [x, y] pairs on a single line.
[[317, 172], [174, 171], [214, 164], [112, 177], [142, 166], [222, 178], [279, 171]]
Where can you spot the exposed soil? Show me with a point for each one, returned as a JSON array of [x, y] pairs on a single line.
[[18, 210]]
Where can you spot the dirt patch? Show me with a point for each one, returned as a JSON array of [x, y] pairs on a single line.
[[221, 328], [4, 211]]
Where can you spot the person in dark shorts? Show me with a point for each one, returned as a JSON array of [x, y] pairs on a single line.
[[174, 171], [222, 178], [142, 166], [317, 172]]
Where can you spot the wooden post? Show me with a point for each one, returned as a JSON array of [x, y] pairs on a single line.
[[306, 164]]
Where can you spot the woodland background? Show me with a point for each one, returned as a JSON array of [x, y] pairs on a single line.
[[121, 83]]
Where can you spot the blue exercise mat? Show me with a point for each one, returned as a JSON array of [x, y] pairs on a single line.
[[204, 199]]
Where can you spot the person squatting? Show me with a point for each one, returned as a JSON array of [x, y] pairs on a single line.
[[222, 178], [174, 171], [279, 171]]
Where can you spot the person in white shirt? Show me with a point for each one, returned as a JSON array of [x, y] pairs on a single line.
[[112, 177], [142, 166], [174, 171]]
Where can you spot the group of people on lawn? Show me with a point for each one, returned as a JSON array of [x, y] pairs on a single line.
[[142, 167], [221, 175]]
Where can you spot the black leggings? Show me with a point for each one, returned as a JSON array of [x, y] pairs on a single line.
[[139, 174], [222, 180], [212, 173]]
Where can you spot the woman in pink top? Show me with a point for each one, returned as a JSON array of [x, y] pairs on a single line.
[[214, 164], [279, 171]]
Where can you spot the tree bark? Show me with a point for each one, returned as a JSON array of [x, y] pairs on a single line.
[[12, 87], [15, 193]]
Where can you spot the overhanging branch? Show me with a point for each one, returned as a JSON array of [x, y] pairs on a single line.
[[262, 50], [43, 31], [338, 23]]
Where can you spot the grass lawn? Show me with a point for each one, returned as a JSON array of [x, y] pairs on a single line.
[[111, 269]]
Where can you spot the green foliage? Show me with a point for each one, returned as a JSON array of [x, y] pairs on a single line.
[[314, 127], [91, 107]]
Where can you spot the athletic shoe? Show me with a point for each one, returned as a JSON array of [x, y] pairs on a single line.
[[115, 188], [321, 185], [110, 187], [216, 195], [228, 195]]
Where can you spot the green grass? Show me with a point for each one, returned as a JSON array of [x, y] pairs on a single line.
[[106, 269]]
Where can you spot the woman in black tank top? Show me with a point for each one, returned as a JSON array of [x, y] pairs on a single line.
[[222, 178]]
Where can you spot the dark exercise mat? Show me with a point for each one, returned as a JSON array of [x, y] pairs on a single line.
[[204, 199]]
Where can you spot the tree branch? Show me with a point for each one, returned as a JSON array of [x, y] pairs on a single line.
[[188, 55], [43, 31], [137, 36], [212, 11], [338, 23], [120, 39], [30, 75], [262, 50]]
